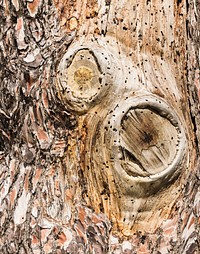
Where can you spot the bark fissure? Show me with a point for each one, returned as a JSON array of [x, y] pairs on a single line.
[[61, 191]]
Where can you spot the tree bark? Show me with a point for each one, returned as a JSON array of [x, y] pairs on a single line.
[[99, 127]]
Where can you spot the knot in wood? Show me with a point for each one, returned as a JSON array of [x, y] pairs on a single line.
[[150, 139], [84, 75], [148, 145]]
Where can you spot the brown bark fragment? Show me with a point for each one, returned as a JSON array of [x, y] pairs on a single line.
[[58, 192]]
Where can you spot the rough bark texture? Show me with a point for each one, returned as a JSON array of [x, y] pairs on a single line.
[[75, 76]]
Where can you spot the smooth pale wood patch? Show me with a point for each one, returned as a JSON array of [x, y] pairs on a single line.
[[83, 75], [157, 28], [148, 142]]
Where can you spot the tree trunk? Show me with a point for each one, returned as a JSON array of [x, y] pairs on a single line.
[[99, 130]]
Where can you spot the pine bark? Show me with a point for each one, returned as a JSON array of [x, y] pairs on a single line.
[[59, 190]]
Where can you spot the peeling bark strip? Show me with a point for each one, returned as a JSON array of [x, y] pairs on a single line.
[[99, 127]]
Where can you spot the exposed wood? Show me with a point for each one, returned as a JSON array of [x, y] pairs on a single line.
[[99, 127]]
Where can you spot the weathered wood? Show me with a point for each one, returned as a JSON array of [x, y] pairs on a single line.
[[99, 127]]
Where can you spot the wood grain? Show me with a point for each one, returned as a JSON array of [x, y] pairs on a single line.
[[63, 183]]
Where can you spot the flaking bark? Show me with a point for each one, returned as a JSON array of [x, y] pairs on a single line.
[[52, 199]]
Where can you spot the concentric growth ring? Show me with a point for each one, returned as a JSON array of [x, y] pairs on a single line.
[[84, 76], [149, 144]]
